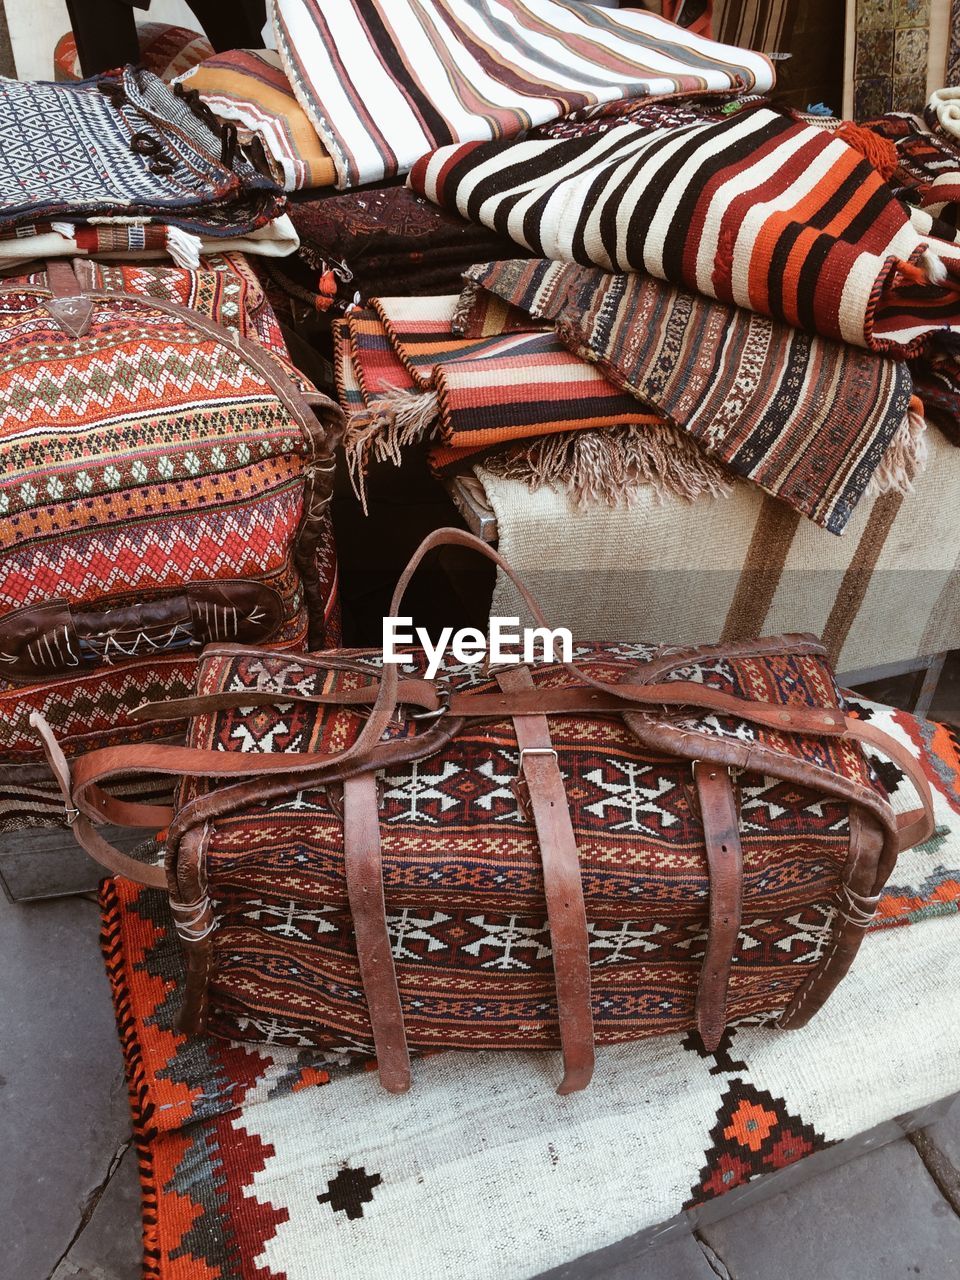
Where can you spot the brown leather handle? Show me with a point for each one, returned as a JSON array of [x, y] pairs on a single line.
[[917, 825]]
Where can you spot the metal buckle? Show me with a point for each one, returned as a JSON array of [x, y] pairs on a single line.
[[72, 815], [537, 751], [434, 715]]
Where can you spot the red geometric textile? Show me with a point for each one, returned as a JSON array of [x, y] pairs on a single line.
[[153, 455]]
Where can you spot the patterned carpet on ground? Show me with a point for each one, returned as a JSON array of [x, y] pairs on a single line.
[[262, 1163]]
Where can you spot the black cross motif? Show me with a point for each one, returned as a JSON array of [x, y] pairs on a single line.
[[722, 1057], [350, 1190]]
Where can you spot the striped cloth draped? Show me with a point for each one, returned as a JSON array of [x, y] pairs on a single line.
[[480, 391], [385, 81], [757, 209], [808, 420]]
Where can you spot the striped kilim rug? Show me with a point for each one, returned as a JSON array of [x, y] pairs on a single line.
[[274, 1164], [448, 70]]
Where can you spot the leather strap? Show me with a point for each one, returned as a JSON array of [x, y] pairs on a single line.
[[86, 835], [566, 913], [364, 872], [917, 825], [721, 834], [528, 701]]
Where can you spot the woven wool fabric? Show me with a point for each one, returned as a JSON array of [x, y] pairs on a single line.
[[807, 420], [250, 89], [461, 856], [758, 209], [743, 565], [385, 241], [311, 1159], [149, 456], [443, 71], [121, 153], [166, 50], [479, 392]]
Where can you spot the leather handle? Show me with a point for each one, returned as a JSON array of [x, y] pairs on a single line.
[[917, 825]]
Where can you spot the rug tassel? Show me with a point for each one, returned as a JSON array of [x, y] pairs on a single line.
[[880, 152], [388, 424], [184, 248], [614, 465], [905, 458], [935, 268]]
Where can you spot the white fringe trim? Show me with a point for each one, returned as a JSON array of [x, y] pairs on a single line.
[[904, 460]]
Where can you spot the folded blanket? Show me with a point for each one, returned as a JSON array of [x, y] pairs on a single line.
[[757, 209], [404, 376], [809, 421], [385, 81], [944, 106], [385, 241], [248, 88], [123, 162]]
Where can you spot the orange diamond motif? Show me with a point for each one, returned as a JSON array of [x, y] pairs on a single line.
[[749, 1125]]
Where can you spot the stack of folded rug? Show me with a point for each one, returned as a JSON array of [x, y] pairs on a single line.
[[123, 165]]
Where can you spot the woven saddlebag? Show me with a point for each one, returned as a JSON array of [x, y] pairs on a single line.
[[556, 855], [165, 476]]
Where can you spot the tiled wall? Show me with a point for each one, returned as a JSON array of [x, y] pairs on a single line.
[[891, 56]]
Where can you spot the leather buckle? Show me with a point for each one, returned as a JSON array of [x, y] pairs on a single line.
[[433, 715], [537, 751]]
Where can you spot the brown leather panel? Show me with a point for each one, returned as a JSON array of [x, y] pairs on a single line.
[[721, 833], [84, 833], [362, 858], [566, 913], [58, 639]]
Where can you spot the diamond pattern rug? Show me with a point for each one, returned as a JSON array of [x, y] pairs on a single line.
[[258, 1161]]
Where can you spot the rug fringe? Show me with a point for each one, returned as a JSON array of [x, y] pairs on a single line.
[[614, 465], [142, 1110], [388, 424], [905, 458]]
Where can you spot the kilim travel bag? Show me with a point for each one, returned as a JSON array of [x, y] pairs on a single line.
[[165, 476], [642, 840]]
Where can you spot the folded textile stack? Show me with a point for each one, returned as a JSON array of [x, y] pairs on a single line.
[[441, 72], [121, 164]]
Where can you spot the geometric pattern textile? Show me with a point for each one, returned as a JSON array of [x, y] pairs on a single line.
[[249, 89], [461, 866], [162, 482], [444, 71], [165, 50], [806, 419], [257, 1160], [121, 151], [757, 209]]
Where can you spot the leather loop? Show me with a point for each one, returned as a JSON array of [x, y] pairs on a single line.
[[101, 850], [364, 872], [566, 913], [918, 825], [721, 834]]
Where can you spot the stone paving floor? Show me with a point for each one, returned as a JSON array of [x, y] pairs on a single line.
[[69, 1196]]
